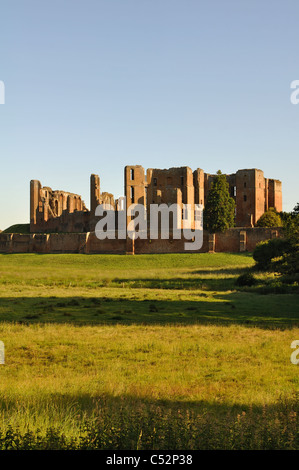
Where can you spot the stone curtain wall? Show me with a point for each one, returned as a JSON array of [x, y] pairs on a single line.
[[234, 240]]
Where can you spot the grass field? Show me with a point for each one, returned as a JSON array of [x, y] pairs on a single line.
[[149, 351]]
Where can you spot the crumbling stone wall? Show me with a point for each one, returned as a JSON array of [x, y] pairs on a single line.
[[59, 211], [251, 191], [234, 240], [62, 211]]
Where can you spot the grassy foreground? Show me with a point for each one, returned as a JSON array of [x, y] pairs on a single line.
[[157, 352]]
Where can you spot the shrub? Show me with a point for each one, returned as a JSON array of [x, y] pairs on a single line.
[[289, 263], [270, 218], [266, 251], [246, 279]]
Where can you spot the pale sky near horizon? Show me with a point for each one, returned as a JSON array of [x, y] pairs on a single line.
[[94, 85]]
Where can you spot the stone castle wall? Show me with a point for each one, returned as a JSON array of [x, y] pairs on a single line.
[[234, 240], [62, 211]]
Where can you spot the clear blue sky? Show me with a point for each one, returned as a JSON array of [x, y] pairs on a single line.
[[94, 85]]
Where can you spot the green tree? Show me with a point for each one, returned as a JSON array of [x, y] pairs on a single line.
[[291, 226], [282, 254], [270, 218], [219, 212], [296, 210]]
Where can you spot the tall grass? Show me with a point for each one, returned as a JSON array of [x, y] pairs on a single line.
[[156, 427], [153, 352]]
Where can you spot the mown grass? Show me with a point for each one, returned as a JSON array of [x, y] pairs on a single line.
[[156, 352]]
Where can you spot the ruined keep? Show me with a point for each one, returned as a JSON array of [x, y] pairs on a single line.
[[61, 211], [252, 192]]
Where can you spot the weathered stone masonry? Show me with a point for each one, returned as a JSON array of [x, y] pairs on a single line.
[[233, 240], [61, 211], [61, 223], [253, 194]]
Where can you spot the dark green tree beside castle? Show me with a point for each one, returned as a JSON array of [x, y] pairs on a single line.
[[219, 211]]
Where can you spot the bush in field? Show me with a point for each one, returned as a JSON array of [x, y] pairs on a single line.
[[246, 279], [266, 251], [281, 254], [289, 262]]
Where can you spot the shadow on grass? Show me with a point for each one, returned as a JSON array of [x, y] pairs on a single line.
[[231, 272], [210, 281], [177, 283], [206, 283], [271, 311], [128, 422]]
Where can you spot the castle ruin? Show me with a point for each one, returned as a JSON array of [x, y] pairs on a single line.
[[61, 211]]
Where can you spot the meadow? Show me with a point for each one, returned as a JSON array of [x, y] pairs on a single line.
[[146, 352]]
